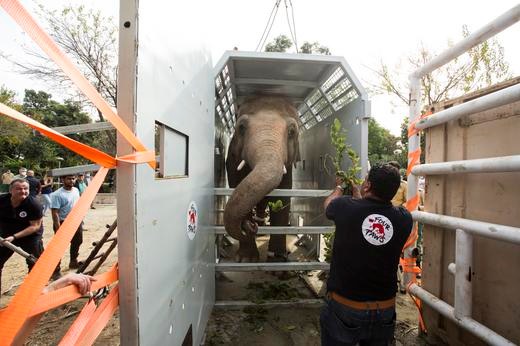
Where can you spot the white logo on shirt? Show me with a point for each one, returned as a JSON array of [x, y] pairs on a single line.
[[377, 229], [22, 214]]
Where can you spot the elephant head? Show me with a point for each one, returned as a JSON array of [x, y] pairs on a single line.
[[263, 149]]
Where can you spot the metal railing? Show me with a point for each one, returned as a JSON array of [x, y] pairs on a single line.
[[461, 312], [276, 266]]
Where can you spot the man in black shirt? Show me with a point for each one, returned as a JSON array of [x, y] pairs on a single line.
[[34, 183], [20, 222], [370, 235]]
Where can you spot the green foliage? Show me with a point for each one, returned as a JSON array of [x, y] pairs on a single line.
[[338, 137], [22, 146], [282, 43], [314, 48], [272, 290], [382, 145], [276, 206], [481, 66], [279, 44]]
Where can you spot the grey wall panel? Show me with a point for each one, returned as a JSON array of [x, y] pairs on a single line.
[[175, 275]]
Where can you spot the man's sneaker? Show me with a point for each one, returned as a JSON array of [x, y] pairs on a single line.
[[73, 264]]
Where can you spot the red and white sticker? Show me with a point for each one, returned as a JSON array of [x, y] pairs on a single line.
[[377, 229], [192, 220]]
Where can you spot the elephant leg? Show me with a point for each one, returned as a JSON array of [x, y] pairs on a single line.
[[278, 242]]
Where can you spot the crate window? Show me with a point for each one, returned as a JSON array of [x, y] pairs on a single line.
[[172, 148]]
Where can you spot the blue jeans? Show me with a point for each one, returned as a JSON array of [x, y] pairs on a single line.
[[341, 325]]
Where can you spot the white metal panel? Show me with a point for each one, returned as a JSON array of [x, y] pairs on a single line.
[[174, 276]]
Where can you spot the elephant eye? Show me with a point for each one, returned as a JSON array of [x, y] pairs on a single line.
[[291, 132], [241, 128]]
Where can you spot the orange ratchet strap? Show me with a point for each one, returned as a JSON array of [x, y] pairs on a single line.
[[64, 295], [77, 327], [46, 43], [99, 319], [91, 321]]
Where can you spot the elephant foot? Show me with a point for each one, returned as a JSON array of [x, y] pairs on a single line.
[[247, 251]]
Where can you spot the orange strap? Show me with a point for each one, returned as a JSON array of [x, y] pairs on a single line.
[[412, 130], [409, 265], [413, 203], [99, 319], [64, 295], [26, 296], [74, 332], [47, 44], [413, 159], [84, 150], [418, 304]]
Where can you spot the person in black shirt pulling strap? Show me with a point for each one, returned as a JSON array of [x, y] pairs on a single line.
[[20, 222], [370, 235]]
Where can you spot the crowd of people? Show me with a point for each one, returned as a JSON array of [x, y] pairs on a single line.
[[25, 200]]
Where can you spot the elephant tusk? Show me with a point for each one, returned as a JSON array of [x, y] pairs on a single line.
[[241, 165], [284, 170]]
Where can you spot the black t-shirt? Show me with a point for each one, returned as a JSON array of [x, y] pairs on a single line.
[[369, 238], [34, 185], [13, 220]]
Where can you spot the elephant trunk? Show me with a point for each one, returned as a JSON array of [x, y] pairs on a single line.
[[265, 177]]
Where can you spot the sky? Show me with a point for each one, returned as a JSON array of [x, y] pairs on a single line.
[[364, 32]]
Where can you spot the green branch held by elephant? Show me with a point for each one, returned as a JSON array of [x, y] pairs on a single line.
[[276, 206]]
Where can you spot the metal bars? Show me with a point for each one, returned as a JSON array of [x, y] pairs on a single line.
[[489, 165], [461, 313], [484, 229], [468, 324], [220, 191], [270, 266], [285, 230], [496, 99]]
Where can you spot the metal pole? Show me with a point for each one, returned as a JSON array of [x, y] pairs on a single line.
[[488, 165], [467, 323], [483, 103], [502, 22], [414, 143], [484, 229], [463, 273]]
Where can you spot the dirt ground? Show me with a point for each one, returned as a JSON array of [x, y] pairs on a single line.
[[250, 326]]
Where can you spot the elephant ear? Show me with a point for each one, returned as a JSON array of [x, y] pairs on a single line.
[[232, 161]]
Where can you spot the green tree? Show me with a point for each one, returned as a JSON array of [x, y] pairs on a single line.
[[12, 133], [282, 43], [314, 48], [382, 145], [481, 66], [279, 44], [90, 40]]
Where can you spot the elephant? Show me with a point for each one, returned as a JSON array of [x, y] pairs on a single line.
[[260, 158]]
